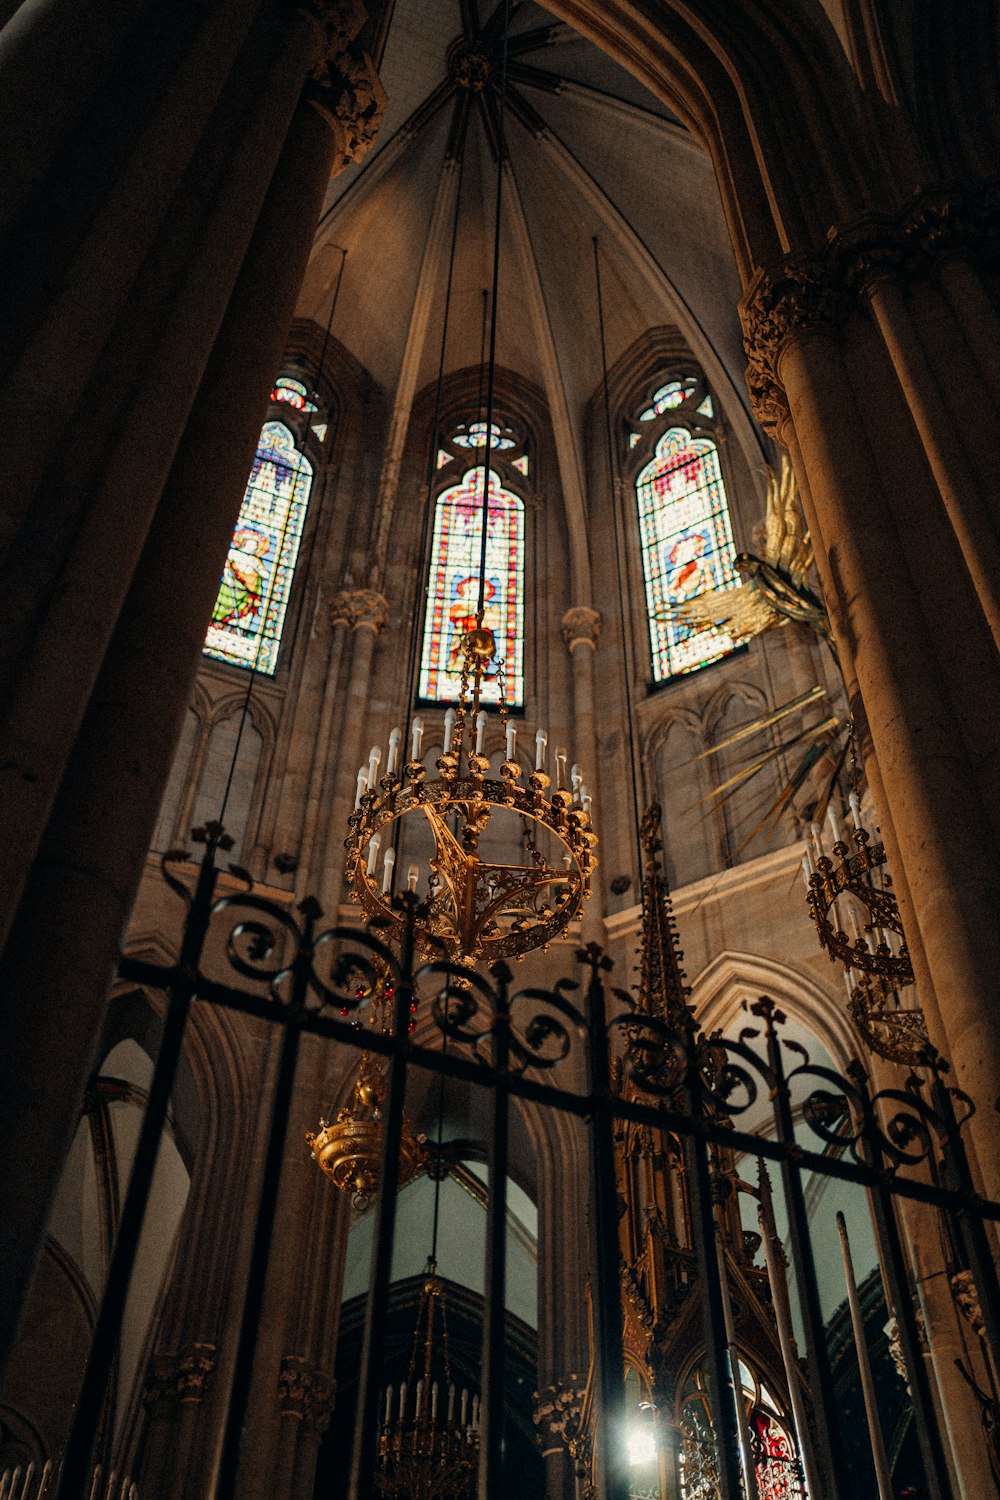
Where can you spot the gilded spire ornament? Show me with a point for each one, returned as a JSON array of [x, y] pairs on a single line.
[[663, 990]]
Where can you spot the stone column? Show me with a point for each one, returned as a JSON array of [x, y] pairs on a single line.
[[175, 1390], [921, 653], [581, 629], [305, 1404], [365, 611], [564, 1435], [58, 962]]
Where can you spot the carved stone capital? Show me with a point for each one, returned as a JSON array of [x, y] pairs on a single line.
[[816, 292], [349, 92], [581, 625], [558, 1416], [307, 1393], [359, 609], [174, 1379], [337, 21]]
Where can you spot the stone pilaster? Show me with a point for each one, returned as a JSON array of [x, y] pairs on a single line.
[[581, 630], [366, 612]]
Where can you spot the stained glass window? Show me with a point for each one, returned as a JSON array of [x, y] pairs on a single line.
[[291, 392], [687, 547], [474, 435], [453, 588], [250, 609], [520, 464]]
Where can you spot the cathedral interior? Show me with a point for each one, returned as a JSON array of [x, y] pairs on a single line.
[[499, 750]]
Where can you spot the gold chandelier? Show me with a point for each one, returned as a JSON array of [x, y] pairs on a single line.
[[476, 909], [348, 1149], [428, 1445], [874, 954]]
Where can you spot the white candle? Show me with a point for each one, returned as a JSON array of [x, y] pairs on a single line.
[[402, 1401], [412, 876], [831, 818], [451, 1404], [434, 1402], [541, 740], [817, 837], [373, 852], [560, 767], [449, 729], [465, 1403], [362, 784], [480, 731], [855, 804], [387, 864], [374, 756], [849, 984], [388, 1404], [420, 1395], [806, 869], [394, 740], [853, 916], [418, 738], [511, 739]]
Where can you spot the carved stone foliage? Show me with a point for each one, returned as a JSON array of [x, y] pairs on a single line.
[[349, 92], [559, 1417], [967, 1301], [182, 1377], [359, 607], [306, 1392], [581, 624], [810, 292]]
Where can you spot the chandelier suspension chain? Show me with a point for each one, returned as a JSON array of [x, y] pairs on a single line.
[[636, 768], [254, 669], [422, 583], [491, 369]]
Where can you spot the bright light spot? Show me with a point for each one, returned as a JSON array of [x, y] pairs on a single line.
[[640, 1443]]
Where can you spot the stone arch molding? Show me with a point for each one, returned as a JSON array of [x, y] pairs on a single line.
[[731, 978]]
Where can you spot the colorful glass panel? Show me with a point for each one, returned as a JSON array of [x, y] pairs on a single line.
[[687, 547], [453, 589], [475, 436], [291, 392], [250, 609], [669, 396], [520, 464]]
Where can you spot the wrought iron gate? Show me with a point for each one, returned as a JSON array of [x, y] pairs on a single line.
[[252, 955]]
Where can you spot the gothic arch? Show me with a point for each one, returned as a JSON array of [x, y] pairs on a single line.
[[732, 979]]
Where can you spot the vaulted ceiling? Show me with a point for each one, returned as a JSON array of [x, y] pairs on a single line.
[[590, 153]]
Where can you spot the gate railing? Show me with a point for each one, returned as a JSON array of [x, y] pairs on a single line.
[[249, 954]]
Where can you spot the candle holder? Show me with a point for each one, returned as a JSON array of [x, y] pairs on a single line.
[[476, 909], [874, 954]]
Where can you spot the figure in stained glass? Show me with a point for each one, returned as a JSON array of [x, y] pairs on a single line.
[[687, 547], [453, 589], [250, 608]]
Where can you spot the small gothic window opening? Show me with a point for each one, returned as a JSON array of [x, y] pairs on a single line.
[[252, 602], [684, 527]]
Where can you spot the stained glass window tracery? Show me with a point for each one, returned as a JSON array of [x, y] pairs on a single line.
[[687, 547], [289, 392], [252, 601], [453, 587], [776, 1463], [475, 435]]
